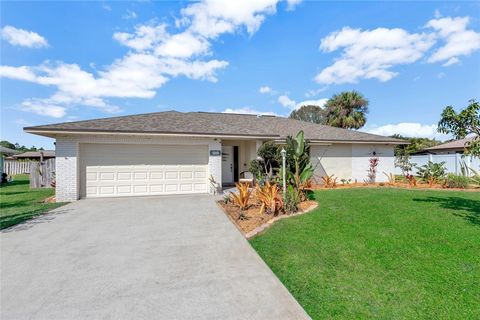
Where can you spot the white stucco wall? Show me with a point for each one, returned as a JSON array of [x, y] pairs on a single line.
[[351, 161], [68, 157], [361, 154], [331, 159]]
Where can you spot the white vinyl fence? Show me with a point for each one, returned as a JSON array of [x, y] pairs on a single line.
[[12, 167], [452, 162]]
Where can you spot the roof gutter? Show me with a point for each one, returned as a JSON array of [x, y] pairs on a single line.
[[130, 133], [330, 142], [275, 138]]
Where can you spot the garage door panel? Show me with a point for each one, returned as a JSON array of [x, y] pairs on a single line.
[[107, 190], [129, 170], [124, 176], [171, 175], [107, 176], [156, 188], [140, 175], [156, 175]]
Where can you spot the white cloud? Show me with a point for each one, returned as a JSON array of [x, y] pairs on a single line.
[[24, 38], [248, 110], [144, 37], [156, 56], [106, 7], [370, 54], [183, 45], [315, 92], [409, 129], [265, 89], [320, 102], [210, 18], [41, 108], [437, 14], [285, 101], [19, 73], [129, 15], [458, 40], [291, 4], [441, 75]]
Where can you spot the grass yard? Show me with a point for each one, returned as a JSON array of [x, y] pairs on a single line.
[[19, 203], [381, 253]]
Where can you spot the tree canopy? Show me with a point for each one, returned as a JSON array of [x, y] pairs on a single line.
[[309, 113], [347, 110], [461, 124], [17, 146], [416, 144]]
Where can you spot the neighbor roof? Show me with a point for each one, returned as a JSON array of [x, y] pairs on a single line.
[[7, 151], [36, 154], [211, 124], [457, 144]]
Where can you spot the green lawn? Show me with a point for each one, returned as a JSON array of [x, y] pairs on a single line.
[[381, 253], [19, 203]]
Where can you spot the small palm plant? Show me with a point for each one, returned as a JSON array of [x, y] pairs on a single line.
[[329, 181], [269, 198], [241, 198]]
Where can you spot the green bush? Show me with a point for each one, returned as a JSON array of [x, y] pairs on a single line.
[[292, 199], [456, 181], [431, 170]]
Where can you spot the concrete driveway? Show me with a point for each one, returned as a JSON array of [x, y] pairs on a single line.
[[137, 258]]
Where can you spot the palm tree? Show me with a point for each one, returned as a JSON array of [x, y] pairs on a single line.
[[347, 110]]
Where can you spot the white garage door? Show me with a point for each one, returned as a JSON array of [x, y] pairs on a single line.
[[116, 170]]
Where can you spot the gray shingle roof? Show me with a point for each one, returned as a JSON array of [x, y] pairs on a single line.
[[34, 154], [457, 144], [207, 123], [5, 150]]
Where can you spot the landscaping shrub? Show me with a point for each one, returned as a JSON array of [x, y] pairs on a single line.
[[431, 172], [372, 170], [241, 198], [268, 163], [269, 197], [292, 199], [456, 181], [329, 181]]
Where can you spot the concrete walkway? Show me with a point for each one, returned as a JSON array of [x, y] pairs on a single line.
[[137, 258]]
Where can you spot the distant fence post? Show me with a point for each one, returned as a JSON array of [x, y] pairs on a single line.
[[42, 174], [457, 163]]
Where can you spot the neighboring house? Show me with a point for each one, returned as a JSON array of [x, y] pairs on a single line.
[[452, 147], [35, 155], [5, 152], [176, 153]]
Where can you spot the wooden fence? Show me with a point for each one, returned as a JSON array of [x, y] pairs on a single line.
[[12, 167], [42, 174]]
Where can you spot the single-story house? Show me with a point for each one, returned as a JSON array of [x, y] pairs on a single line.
[[35, 155], [452, 147], [176, 153], [4, 153]]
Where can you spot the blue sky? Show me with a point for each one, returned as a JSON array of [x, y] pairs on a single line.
[[68, 61]]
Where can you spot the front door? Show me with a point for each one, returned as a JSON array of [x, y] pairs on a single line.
[[227, 164]]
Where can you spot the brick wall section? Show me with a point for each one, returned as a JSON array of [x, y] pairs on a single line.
[[215, 164], [68, 159], [66, 172]]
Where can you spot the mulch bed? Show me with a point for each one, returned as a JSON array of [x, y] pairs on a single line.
[[253, 218]]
